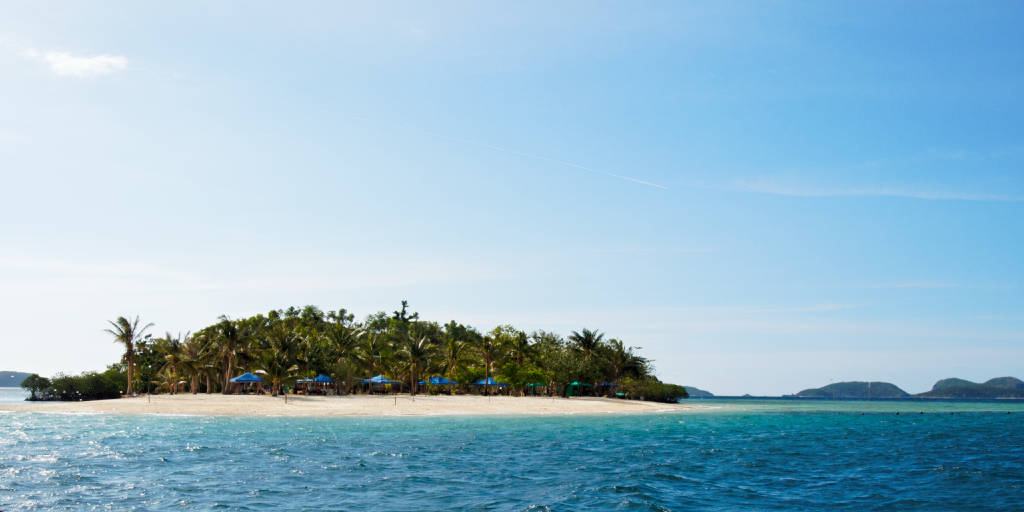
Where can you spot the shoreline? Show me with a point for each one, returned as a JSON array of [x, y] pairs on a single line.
[[353, 406]]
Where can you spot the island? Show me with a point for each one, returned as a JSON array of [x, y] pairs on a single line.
[[855, 390], [1000, 387], [12, 379], [323, 356], [698, 393]]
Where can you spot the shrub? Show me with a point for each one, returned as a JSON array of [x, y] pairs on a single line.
[[653, 390], [87, 386]]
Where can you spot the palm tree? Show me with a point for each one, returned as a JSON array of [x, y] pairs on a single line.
[[415, 351], [368, 352], [586, 341], [229, 342], [170, 348], [520, 347], [277, 360], [344, 339], [490, 351], [454, 352], [128, 333], [624, 362]]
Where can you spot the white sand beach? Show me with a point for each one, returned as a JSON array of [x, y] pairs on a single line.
[[354, 405]]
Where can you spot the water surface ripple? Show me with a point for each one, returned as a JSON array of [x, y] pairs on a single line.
[[741, 455]]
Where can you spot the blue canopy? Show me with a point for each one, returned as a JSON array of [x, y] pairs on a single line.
[[379, 379], [488, 382], [438, 381], [247, 377], [323, 379]]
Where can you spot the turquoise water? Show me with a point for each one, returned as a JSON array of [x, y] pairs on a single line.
[[12, 396], [742, 454]]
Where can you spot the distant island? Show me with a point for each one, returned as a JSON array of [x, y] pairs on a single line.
[[1000, 387], [698, 393], [859, 390], [10, 379]]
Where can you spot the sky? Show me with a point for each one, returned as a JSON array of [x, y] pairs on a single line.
[[765, 197]]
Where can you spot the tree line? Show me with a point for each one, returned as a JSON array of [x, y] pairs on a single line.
[[287, 344]]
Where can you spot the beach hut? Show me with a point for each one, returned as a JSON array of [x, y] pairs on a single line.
[[379, 380], [489, 382], [246, 378], [576, 388], [438, 381]]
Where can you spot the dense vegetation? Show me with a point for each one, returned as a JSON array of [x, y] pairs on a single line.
[[284, 345], [87, 386], [1000, 387], [861, 390]]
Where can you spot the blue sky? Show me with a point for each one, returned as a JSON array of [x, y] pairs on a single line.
[[765, 197]]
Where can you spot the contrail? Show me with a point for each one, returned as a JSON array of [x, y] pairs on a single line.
[[525, 154]]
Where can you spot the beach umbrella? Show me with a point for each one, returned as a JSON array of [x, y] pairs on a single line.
[[486, 382], [379, 379], [247, 377], [323, 379], [441, 381]]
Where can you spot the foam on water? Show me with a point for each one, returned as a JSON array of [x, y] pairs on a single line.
[[802, 456]]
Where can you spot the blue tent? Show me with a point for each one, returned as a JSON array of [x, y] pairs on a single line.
[[380, 379], [488, 382], [323, 379], [247, 377], [439, 381]]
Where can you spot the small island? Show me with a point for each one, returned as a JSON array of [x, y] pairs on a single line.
[[309, 353], [698, 393], [855, 390], [1000, 387]]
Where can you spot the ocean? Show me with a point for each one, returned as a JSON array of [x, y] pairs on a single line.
[[732, 455]]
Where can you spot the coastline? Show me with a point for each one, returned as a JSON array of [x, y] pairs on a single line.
[[353, 406]]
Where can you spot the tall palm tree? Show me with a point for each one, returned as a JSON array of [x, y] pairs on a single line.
[[490, 351], [454, 350], [128, 333], [170, 348], [415, 351], [344, 340], [587, 341], [624, 361], [277, 359], [229, 343], [520, 347]]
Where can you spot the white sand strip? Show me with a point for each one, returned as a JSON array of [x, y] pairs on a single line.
[[357, 405]]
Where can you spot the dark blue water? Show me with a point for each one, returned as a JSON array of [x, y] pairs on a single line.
[[753, 456]]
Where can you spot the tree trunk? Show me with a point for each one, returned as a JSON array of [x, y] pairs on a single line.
[[487, 378], [131, 374], [227, 373]]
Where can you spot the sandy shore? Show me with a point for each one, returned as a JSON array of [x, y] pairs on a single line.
[[358, 405]]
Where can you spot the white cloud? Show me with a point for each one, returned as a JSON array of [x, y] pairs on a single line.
[[66, 64]]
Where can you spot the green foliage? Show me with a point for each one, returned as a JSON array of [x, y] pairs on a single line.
[[36, 386], [653, 390], [303, 342], [87, 386]]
